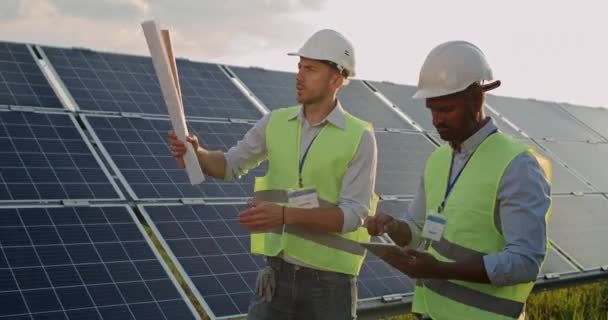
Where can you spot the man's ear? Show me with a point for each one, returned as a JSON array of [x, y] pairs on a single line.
[[337, 80]]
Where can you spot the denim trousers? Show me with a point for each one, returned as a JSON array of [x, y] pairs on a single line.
[[304, 293]]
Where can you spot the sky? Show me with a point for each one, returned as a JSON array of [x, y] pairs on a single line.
[[548, 50]]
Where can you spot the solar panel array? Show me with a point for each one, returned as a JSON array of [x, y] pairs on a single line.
[[122, 83], [70, 246]]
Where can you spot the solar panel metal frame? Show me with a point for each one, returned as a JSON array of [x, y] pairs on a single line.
[[123, 179], [554, 256], [30, 48], [146, 237], [94, 153]]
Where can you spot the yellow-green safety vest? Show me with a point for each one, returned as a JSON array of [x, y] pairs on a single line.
[[326, 163], [471, 232]]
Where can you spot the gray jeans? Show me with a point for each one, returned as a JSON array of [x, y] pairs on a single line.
[[303, 293]]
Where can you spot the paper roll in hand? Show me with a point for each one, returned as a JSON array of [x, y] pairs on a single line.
[[159, 43]]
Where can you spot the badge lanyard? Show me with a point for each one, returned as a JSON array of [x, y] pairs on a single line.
[[451, 185], [435, 224], [301, 163], [301, 166]]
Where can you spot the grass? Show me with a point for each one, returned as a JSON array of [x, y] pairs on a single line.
[[585, 302], [175, 272]]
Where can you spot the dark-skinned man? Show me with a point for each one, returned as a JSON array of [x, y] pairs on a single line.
[[308, 211], [476, 230]]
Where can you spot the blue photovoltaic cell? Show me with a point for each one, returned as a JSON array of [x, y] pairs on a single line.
[[125, 83], [213, 249], [82, 263], [277, 89], [401, 161], [44, 156], [139, 148], [21, 81]]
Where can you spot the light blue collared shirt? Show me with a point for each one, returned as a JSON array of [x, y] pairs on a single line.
[[522, 201]]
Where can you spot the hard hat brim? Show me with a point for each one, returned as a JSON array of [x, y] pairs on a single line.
[[426, 94], [307, 56]]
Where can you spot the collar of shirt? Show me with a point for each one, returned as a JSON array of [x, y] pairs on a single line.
[[335, 117], [469, 145]]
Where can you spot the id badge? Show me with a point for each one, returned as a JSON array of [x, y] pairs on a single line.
[[303, 198], [434, 226]]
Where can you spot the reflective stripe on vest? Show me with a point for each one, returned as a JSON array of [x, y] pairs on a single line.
[[327, 162], [471, 232], [473, 298]]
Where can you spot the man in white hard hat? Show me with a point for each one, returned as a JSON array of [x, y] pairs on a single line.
[[308, 211], [479, 216]]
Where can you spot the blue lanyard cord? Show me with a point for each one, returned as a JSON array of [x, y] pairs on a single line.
[[301, 166], [451, 185]]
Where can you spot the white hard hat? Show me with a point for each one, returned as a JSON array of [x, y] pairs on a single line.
[[451, 67], [329, 45]]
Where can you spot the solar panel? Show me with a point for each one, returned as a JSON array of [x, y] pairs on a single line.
[[556, 263], [43, 156], [401, 162], [541, 119], [579, 226], [595, 118], [276, 89], [564, 181], [124, 83], [83, 263], [585, 158], [21, 81], [213, 251], [401, 96], [363, 103], [138, 148]]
